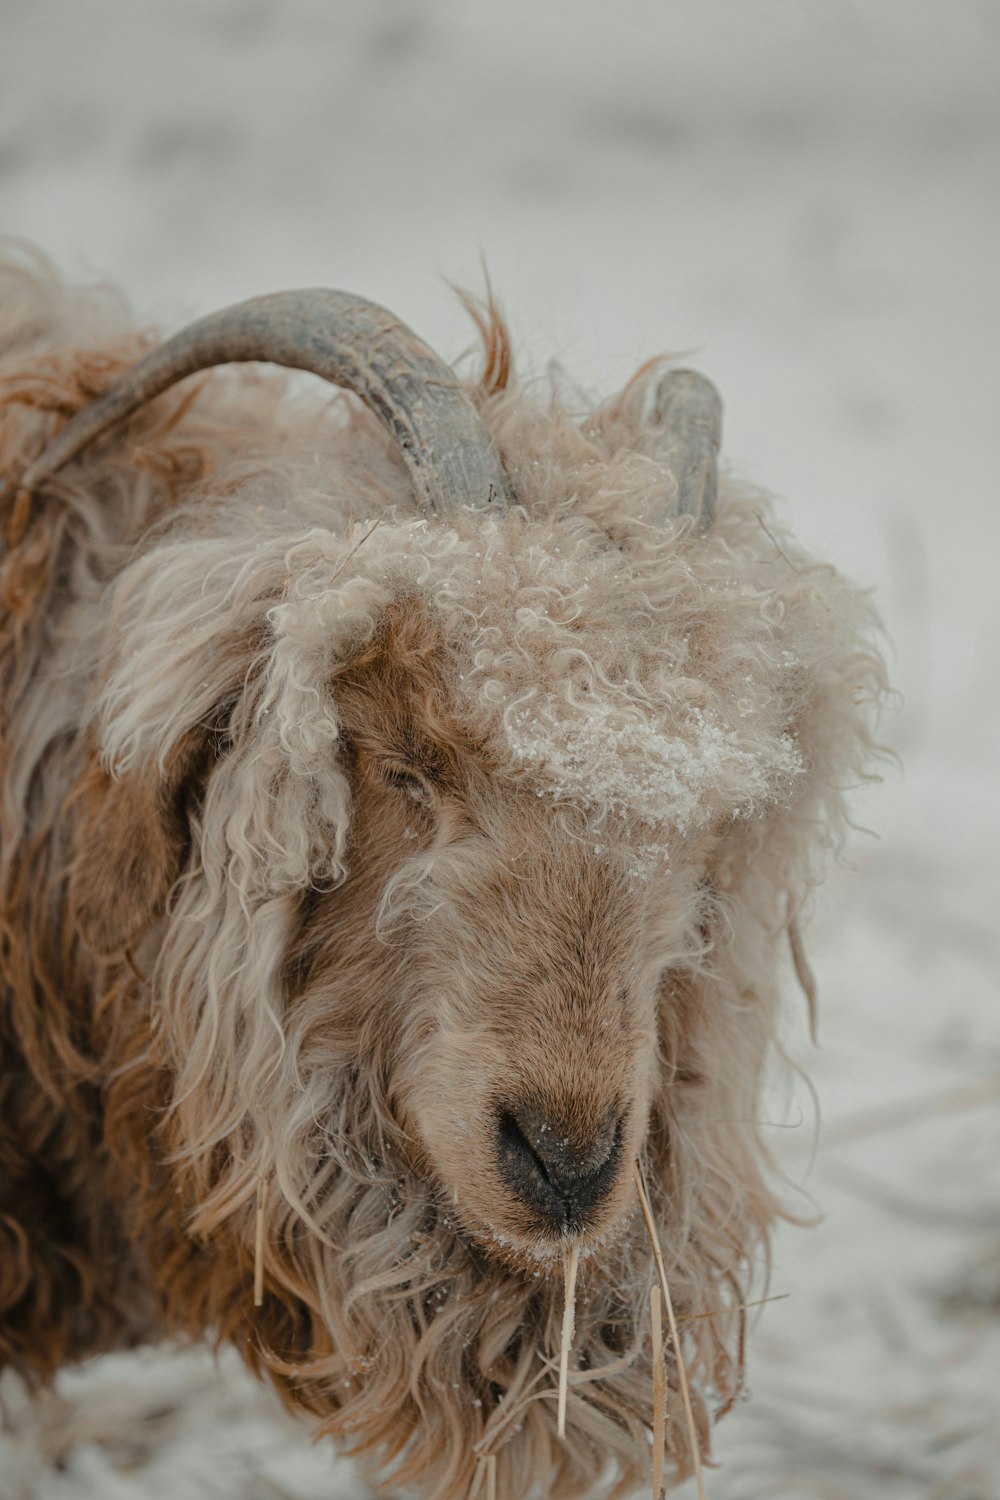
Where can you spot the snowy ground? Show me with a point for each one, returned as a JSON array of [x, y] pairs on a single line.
[[808, 196]]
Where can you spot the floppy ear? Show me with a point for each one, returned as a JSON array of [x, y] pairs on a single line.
[[130, 838], [217, 648]]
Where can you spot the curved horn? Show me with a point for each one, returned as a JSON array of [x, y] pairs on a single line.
[[347, 340], [688, 411]]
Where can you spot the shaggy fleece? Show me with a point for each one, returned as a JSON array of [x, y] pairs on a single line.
[[263, 1038]]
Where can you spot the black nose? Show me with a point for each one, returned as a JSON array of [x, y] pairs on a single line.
[[552, 1170]]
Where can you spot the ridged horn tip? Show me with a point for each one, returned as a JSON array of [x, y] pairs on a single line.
[[687, 410]]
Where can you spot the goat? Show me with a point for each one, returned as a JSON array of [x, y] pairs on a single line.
[[406, 804]]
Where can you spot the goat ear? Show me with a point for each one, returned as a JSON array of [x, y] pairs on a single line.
[[129, 842]]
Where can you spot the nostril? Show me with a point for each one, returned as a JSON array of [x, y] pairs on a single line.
[[516, 1149], [554, 1171]]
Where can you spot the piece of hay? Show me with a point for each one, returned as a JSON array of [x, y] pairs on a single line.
[[486, 1469], [475, 1488], [654, 1240], [569, 1317], [659, 1392]]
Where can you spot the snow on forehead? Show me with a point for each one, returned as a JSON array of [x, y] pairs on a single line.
[[572, 655], [624, 764]]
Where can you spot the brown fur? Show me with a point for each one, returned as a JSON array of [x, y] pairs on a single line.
[[324, 842]]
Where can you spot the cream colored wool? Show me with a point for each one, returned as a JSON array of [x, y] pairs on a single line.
[[651, 733]]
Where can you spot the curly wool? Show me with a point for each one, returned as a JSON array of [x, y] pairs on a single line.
[[189, 609]]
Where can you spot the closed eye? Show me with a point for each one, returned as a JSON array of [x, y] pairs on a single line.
[[409, 783]]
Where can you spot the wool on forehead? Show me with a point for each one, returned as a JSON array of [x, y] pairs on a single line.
[[607, 653], [584, 664]]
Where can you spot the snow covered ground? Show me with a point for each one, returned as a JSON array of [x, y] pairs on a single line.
[[808, 197]]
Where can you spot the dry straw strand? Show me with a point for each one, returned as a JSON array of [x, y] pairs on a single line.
[[486, 1469], [717, 1312], [654, 1240], [569, 1313], [659, 1392], [357, 545], [477, 1479]]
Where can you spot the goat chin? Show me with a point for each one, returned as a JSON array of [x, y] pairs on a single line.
[[377, 887]]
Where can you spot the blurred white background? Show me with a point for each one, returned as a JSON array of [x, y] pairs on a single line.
[[804, 199]]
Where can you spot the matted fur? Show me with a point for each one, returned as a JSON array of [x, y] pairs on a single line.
[[327, 828]]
